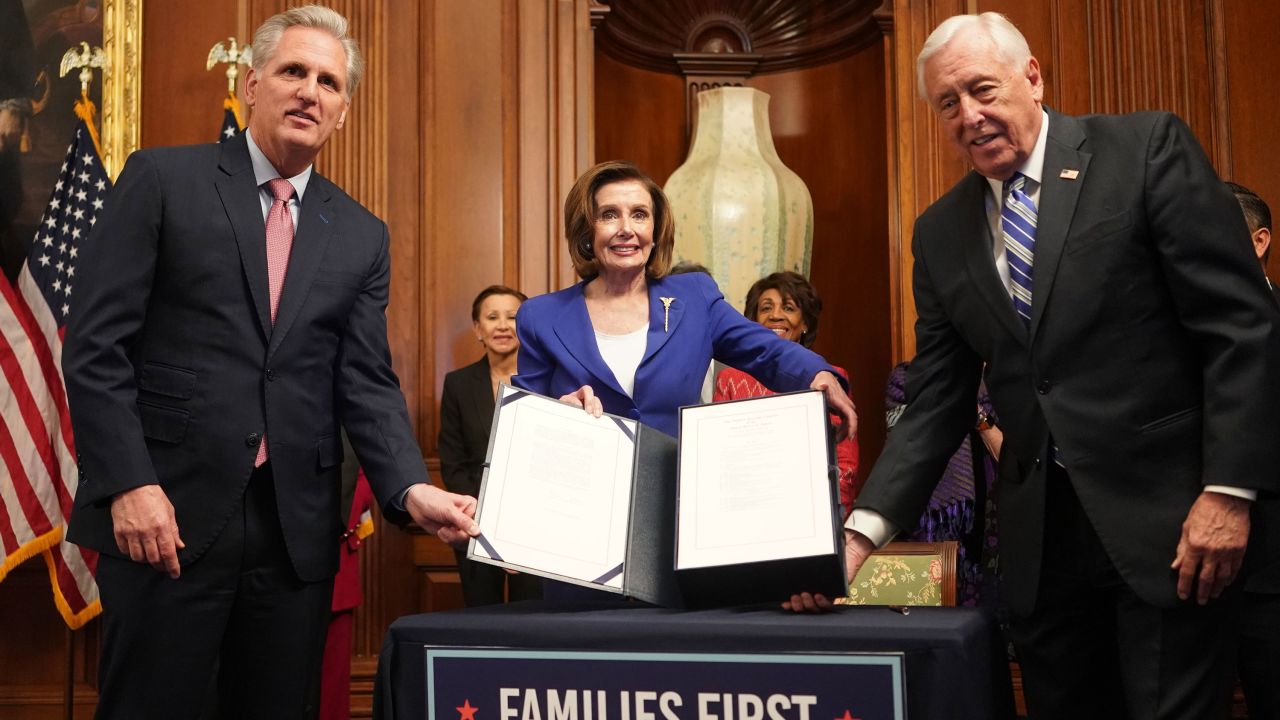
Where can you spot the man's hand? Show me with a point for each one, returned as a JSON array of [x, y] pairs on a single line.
[[1212, 547], [857, 548], [447, 515], [585, 398], [145, 528], [839, 402]]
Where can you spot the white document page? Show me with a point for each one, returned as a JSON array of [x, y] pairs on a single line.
[[556, 497], [753, 481]]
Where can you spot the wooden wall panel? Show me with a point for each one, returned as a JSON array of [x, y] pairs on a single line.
[[181, 102], [831, 131], [464, 234], [1249, 58], [509, 126], [387, 587], [355, 158], [1144, 55], [640, 116], [921, 164], [556, 80], [38, 656], [1114, 56]]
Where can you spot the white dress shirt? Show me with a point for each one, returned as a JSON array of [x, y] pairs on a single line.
[[264, 172]]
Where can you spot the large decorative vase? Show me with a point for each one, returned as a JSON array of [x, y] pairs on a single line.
[[738, 210]]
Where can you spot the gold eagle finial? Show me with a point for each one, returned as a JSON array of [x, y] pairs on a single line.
[[232, 54], [86, 59]]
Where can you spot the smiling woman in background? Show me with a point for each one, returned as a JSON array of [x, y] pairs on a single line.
[[466, 412], [787, 304]]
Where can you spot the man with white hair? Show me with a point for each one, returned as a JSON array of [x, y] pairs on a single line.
[[213, 358], [1094, 265]]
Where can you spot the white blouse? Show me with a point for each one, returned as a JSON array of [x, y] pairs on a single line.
[[623, 353]]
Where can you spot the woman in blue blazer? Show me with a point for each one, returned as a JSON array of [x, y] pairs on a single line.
[[632, 340]]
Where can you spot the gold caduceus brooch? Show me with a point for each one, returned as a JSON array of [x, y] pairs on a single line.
[[666, 311]]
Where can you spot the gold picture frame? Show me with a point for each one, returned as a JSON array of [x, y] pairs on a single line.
[[121, 82]]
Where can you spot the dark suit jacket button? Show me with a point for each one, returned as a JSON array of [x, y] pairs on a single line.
[[1037, 463], [252, 440], [271, 375], [1043, 387]]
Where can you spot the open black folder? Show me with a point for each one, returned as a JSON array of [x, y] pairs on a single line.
[[593, 502]]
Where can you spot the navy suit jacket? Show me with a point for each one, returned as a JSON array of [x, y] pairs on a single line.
[[559, 354], [1262, 563], [1145, 361], [174, 370]]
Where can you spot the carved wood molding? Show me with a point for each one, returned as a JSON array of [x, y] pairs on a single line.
[[1154, 54], [688, 37], [1220, 148], [122, 81], [597, 11]]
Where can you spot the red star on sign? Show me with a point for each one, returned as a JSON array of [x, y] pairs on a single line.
[[466, 712], [846, 716]]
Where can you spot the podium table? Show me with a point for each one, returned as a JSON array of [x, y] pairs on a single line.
[[953, 658]]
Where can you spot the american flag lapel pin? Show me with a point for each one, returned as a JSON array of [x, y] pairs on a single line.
[[1069, 174]]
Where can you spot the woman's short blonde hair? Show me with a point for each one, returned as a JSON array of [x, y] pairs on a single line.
[[580, 212]]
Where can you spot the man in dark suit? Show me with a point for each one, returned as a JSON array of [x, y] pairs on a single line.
[[1259, 619], [1089, 262], [215, 357]]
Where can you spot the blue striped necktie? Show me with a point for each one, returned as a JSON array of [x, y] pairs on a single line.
[[1018, 228]]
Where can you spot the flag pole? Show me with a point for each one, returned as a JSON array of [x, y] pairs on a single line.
[[86, 59], [233, 55], [69, 686]]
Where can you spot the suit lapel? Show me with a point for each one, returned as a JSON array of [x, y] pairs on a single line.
[[482, 391], [315, 228], [239, 195], [578, 335], [1058, 197], [975, 231]]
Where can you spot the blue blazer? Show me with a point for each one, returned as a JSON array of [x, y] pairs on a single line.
[[559, 354]]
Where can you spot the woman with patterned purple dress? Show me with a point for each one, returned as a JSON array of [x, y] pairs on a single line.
[[962, 506]]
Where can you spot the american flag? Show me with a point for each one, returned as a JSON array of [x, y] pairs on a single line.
[[36, 446], [230, 118]]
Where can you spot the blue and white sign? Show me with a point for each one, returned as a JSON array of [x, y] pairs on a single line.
[[499, 684]]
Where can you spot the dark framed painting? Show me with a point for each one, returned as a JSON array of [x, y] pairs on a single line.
[[37, 116]]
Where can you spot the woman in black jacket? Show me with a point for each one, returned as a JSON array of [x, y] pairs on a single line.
[[466, 412]]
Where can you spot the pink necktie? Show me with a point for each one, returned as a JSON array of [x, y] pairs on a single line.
[[279, 243]]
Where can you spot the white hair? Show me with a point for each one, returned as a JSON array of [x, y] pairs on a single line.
[[267, 37], [1009, 42]]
